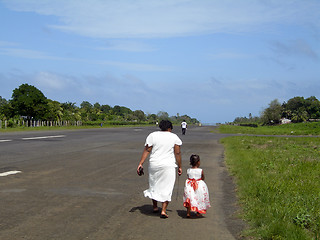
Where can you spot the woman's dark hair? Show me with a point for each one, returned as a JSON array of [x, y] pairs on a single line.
[[165, 125], [194, 159]]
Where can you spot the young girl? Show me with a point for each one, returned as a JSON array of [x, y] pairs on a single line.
[[196, 194]]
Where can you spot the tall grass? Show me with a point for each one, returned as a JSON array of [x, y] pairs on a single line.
[[308, 128], [278, 183]]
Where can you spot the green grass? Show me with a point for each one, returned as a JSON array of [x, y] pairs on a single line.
[[15, 129], [278, 182], [54, 128], [286, 129]]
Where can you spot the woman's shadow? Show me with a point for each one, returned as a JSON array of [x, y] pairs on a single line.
[[147, 209]]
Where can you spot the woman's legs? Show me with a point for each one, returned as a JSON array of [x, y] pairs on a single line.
[[155, 205], [164, 209]]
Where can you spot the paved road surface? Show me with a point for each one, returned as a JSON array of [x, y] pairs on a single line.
[[83, 185]]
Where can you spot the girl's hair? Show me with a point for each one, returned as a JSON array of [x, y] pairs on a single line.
[[165, 125], [194, 159]]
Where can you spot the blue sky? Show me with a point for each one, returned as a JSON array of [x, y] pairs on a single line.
[[210, 59]]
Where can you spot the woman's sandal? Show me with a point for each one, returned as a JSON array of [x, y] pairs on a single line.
[[164, 215]]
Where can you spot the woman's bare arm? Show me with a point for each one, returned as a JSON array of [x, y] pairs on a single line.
[[177, 154], [144, 156]]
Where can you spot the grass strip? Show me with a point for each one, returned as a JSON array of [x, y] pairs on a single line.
[[54, 128], [308, 128], [278, 184]]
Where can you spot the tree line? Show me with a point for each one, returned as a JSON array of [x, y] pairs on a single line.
[[296, 109], [29, 103]]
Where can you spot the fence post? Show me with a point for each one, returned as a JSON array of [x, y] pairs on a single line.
[[5, 124]]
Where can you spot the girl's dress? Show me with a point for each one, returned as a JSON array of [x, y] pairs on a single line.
[[196, 194]]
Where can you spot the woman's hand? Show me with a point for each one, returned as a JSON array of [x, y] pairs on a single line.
[[144, 156], [179, 171], [138, 169]]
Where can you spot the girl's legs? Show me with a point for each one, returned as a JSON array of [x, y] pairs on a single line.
[[155, 205], [188, 211]]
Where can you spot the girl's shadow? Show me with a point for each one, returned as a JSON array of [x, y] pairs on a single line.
[[183, 214]]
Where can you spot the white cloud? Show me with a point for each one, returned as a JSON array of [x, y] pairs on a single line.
[[127, 90], [136, 66], [7, 44], [228, 55], [25, 53], [52, 82], [33, 54], [127, 46], [169, 18]]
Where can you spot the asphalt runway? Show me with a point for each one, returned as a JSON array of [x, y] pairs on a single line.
[[82, 184]]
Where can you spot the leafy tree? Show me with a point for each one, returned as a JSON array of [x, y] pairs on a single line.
[[121, 111], [299, 116], [86, 109], [312, 105], [85, 105], [70, 112], [299, 109], [152, 117], [273, 113], [6, 110], [295, 103], [178, 119], [139, 114], [3, 101], [97, 106], [54, 111], [29, 101], [162, 115], [106, 109], [69, 106]]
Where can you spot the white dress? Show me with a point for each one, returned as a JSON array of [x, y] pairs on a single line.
[[196, 194], [162, 165]]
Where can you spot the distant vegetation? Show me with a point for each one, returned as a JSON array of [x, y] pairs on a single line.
[[297, 109], [305, 128], [29, 104]]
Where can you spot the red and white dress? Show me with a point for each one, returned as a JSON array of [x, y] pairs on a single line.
[[196, 194]]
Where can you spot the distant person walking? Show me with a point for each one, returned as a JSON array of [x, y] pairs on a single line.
[[164, 147], [196, 194], [184, 126]]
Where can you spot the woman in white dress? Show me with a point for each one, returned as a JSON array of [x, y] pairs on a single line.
[[164, 147]]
